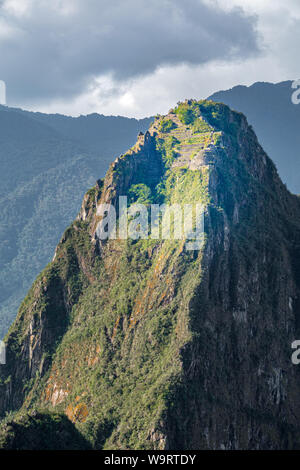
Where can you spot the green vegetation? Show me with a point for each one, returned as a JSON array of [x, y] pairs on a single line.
[[218, 116], [200, 126], [40, 430], [185, 186], [140, 193], [185, 113], [168, 149], [166, 125]]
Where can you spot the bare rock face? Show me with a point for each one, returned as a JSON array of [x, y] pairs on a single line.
[[144, 344]]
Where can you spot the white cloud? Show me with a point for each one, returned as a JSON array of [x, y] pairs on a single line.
[[67, 45], [158, 92], [138, 58], [17, 8]]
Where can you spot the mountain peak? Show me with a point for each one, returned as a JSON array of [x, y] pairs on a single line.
[[145, 344]]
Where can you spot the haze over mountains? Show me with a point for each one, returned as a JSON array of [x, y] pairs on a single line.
[[276, 121], [47, 163]]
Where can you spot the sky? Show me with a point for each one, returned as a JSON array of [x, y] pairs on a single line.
[[138, 58]]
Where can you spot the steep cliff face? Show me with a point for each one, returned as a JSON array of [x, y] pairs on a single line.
[[146, 344]]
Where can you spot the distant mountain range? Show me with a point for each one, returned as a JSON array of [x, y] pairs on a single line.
[[276, 121], [47, 163]]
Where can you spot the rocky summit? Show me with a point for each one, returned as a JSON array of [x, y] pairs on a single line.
[[144, 344]]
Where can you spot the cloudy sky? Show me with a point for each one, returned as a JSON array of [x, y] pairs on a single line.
[[139, 57]]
